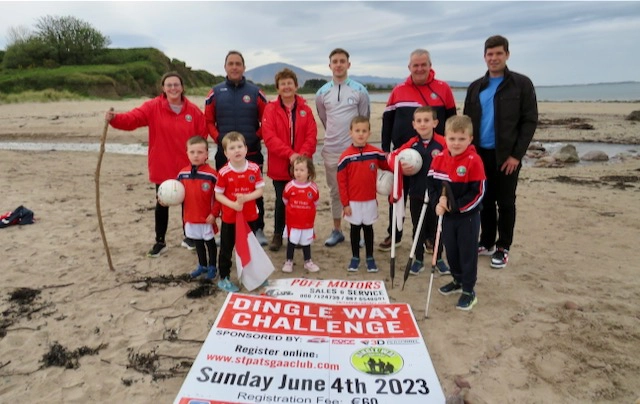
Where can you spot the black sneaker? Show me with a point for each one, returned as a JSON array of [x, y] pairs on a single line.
[[156, 250], [500, 258], [467, 301], [189, 244], [450, 288]]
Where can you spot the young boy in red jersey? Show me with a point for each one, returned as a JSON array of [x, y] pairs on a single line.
[[357, 176], [428, 144], [199, 180], [239, 184], [460, 171]]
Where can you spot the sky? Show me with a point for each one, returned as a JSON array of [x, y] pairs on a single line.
[[552, 42]]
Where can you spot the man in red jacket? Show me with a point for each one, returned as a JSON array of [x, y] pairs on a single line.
[[421, 88]]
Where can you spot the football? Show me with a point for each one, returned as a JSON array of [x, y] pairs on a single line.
[[413, 159], [384, 184], [171, 193]]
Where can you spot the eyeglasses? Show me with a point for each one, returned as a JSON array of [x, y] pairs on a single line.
[[169, 85]]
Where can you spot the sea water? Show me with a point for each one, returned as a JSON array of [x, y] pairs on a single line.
[[627, 92]]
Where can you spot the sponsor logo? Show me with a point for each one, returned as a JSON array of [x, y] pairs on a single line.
[[188, 118], [276, 292], [377, 361], [373, 342], [343, 342], [461, 171], [246, 99], [318, 340]]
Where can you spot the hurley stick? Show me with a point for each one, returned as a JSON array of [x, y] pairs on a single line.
[[97, 179]]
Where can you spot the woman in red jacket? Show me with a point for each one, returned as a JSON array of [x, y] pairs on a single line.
[[172, 119], [289, 130]]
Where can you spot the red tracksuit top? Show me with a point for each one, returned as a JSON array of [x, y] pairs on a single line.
[[464, 178], [168, 133], [358, 173], [199, 183]]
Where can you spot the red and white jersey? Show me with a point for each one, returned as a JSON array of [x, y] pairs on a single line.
[[300, 199], [232, 182], [199, 183]]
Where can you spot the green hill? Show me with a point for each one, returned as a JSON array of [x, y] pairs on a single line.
[[115, 73]]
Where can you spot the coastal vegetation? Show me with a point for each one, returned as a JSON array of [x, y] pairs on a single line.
[[66, 58]]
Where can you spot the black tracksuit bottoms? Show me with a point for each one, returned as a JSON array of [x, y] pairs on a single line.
[[460, 238]]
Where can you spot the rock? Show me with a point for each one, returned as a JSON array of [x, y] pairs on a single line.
[[535, 154], [569, 305], [547, 161], [536, 146], [595, 155], [633, 116], [567, 154], [462, 383]]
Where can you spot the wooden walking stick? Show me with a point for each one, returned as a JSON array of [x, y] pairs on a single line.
[[97, 179]]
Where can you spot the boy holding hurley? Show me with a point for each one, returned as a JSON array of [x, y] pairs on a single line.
[[459, 170]]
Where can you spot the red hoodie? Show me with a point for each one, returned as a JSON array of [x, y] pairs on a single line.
[[168, 134]]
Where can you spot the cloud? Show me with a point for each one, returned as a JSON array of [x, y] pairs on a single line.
[[552, 42]]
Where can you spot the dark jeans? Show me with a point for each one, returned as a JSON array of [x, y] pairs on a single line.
[[227, 243], [428, 230], [498, 215], [405, 187], [460, 236], [257, 158], [162, 220], [279, 214]]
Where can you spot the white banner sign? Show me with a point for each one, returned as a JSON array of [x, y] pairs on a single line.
[[328, 291], [267, 350]]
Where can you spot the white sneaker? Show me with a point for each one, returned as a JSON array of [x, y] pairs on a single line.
[[311, 267], [288, 267]]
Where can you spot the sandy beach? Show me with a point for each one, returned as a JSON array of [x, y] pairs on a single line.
[[560, 324]]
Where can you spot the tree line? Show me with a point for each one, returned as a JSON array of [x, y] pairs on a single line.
[[56, 41]]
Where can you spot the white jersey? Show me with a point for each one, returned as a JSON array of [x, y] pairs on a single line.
[[337, 105]]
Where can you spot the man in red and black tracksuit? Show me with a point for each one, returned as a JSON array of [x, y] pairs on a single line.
[[420, 88]]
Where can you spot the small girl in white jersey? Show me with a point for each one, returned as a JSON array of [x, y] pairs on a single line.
[[300, 197]]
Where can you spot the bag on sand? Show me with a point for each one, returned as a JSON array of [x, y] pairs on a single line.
[[19, 215]]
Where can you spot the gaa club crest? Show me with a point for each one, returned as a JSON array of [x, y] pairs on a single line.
[[461, 171], [303, 113], [435, 153], [372, 167], [188, 118], [252, 178], [206, 186], [246, 99]]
